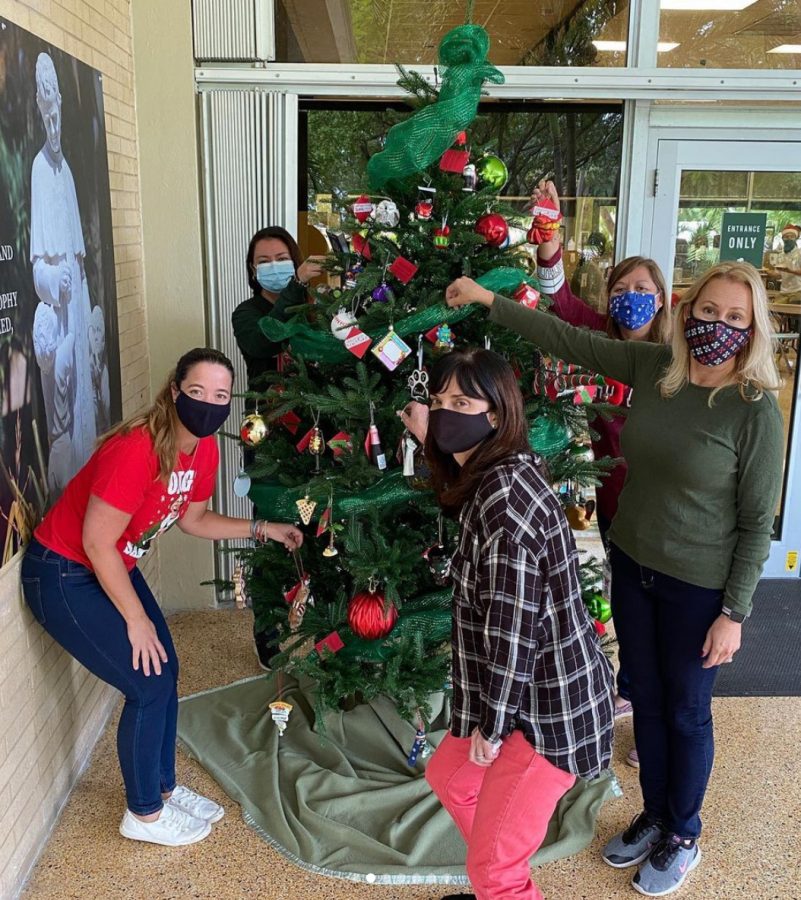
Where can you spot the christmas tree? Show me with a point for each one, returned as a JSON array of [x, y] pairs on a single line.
[[364, 608]]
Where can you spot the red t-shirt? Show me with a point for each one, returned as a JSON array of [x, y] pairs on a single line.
[[124, 473]]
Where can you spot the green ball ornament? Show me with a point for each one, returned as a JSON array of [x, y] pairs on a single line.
[[599, 608], [492, 172]]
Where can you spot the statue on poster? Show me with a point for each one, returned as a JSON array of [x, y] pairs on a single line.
[[58, 257]]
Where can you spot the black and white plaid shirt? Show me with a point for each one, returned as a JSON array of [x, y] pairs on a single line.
[[525, 652]]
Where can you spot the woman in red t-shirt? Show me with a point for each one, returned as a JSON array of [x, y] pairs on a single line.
[[80, 579], [638, 311]]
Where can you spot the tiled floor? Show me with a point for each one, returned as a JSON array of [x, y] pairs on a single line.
[[752, 841]]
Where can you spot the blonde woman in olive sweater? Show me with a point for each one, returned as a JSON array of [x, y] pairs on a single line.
[[704, 446]]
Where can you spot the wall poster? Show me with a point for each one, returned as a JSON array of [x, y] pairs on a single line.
[[59, 337]]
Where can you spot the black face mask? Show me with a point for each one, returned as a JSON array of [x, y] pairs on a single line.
[[198, 417], [455, 432], [789, 246]]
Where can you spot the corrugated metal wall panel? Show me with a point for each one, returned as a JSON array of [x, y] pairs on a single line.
[[225, 30], [249, 158]]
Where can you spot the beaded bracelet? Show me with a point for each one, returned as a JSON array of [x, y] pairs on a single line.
[[254, 528]]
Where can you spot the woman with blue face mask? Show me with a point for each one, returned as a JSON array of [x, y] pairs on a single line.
[[279, 279], [637, 311], [704, 442], [82, 582]]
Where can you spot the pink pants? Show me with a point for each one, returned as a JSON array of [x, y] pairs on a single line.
[[502, 811]]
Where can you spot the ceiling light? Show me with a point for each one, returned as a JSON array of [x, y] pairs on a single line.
[[786, 48], [620, 46], [703, 5]]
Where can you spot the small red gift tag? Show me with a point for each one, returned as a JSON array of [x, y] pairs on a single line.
[[403, 269], [303, 443], [361, 246], [357, 342], [340, 443], [332, 642], [290, 421], [325, 518], [454, 161]]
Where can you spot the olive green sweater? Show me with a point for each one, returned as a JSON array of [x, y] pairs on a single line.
[[703, 482]]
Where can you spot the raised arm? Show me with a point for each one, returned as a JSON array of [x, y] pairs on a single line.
[[614, 359]]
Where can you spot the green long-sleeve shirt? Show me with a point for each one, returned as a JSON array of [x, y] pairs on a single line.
[[703, 482], [258, 351]]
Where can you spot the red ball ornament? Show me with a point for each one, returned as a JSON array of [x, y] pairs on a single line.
[[371, 616], [362, 208], [493, 229]]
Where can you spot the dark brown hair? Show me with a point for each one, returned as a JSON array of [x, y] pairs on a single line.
[[483, 375], [662, 327], [280, 234], [161, 420]]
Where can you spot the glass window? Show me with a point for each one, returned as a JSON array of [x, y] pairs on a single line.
[[578, 147], [705, 198], [551, 33], [731, 34]]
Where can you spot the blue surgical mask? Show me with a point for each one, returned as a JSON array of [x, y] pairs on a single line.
[[275, 276], [632, 310]]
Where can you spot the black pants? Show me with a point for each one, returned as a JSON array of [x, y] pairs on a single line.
[[662, 624]]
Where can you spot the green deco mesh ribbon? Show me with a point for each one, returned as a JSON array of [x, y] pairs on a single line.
[[413, 145], [548, 437]]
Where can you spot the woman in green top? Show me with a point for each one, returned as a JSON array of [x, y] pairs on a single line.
[[704, 446], [279, 278]]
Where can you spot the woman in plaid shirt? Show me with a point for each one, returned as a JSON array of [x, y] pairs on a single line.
[[532, 689]]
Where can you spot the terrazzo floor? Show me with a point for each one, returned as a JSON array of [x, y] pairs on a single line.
[[751, 844]]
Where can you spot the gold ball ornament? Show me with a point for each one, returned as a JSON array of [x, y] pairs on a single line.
[[253, 429]]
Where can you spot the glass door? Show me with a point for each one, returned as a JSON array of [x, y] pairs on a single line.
[[731, 200]]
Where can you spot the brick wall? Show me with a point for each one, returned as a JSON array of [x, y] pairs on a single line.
[[51, 709]]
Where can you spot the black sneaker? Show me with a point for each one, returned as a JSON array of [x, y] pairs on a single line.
[[266, 646]]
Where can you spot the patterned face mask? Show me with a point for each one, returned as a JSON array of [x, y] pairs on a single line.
[[712, 343], [632, 310]]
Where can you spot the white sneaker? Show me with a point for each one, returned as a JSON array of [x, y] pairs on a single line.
[[195, 805], [173, 828]]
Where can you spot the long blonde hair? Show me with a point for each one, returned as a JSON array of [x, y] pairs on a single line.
[[161, 420], [662, 326], [755, 370]]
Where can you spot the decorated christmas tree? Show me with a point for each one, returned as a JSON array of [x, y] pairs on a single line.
[[364, 608]]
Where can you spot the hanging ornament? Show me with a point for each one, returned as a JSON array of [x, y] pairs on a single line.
[[493, 228], [279, 713], [492, 172], [444, 339], [362, 208], [352, 275], [438, 558], [545, 223], [576, 517], [342, 323], [418, 380], [360, 245], [391, 350], [456, 158], [330, 550], [526, 295], [386, 214], [340, 444], [371, 615], [408, 450], [417, 748], [240, 586], [382, 293], [403, 269], [442, 238], [372, 444], [253, 429], [306, 507], [242, 480], [470, 177], [297, 608], [424, 208], [357, 342], [599, 608]]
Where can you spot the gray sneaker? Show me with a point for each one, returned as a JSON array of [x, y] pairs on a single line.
[[633, 845], [666, 868]]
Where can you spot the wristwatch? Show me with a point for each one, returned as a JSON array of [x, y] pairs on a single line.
[[739, 618]]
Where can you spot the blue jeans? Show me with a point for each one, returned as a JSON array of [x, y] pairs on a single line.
[[68, 602], [623, 682], [661, 624]]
